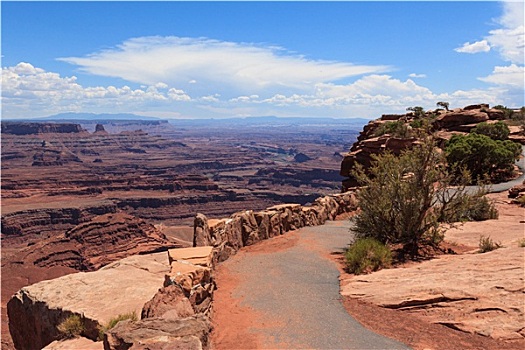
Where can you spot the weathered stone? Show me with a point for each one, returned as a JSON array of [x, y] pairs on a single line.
[[169, 302], [80, 343], [124, 286], [157, 333], [201, 256], [188, 275], [201, 231], [452, 119], [478, 106], [263, 224]]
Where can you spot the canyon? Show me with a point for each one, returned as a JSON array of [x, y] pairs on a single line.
[[159, 205], [80, 194]]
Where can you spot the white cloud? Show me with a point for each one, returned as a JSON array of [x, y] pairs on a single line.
[[414, 75], [27, 89], [478, 46], [511, 75], [239, 66]]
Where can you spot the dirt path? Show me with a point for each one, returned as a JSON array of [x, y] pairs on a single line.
[[284, 293]]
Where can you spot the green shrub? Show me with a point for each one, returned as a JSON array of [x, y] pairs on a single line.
[[507, 111], [404, 199], [476, 207], [521, 200], [395, 129], [72, 326], [366, 255], [482, 156], [486, 244], [496, 131], [132, 316]]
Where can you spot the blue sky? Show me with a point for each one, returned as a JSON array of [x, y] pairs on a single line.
[[227, 59]]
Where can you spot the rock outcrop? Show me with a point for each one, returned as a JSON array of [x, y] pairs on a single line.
[[22, 128], [121, 287], [98, 242], [36, 224], [372, 140]]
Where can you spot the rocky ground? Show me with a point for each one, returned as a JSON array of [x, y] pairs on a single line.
[[464, 301]]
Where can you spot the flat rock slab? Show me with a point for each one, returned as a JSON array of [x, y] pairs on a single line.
[[121, 287], [476, 293], [75, 344], [197, 255]]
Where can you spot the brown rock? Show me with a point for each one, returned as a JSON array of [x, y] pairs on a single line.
[[169, 303], [478, 106], [201, 233], [96, 243], [201, 256], [124, 286], [452, 119], [157, 333]]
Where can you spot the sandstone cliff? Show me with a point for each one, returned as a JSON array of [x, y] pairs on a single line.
[[376, 138], [22, 128]]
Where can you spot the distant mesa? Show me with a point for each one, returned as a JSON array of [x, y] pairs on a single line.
[[24, 128], [99, 129], [301, 158]]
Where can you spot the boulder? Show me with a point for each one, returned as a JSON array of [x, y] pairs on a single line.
[[201, 233], [201, 256], [463, 117], [157, 333], [79, 343], [170, 302], [121, 287]]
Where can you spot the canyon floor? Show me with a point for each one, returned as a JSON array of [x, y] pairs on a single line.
[[458, 301]]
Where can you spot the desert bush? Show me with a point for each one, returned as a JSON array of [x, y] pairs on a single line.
[[476, 207], [486, 244], [508, 113], [72, 326], [395, 129], [366, 255], [496, 131], [521, 243], [482, 156], [132, 316], [403, 199]]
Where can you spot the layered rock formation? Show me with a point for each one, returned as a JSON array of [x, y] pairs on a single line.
[[372, 140], [21, 128], [93, 244]]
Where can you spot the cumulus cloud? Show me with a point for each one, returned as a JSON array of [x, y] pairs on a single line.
[[508, 40], [511, 75], [181, 61], [478, 46], [27, 88]]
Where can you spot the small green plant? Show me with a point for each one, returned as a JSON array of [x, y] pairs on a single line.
[[486, 244], [396, 129], [132, 316], [521, 243], [521, 200], [72, 326], [477, 207], [366, 255]]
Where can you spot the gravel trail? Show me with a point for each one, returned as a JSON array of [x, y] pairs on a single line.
[[294, 294]]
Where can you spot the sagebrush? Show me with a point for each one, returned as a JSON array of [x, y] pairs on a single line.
[[72, 326], [367, 255]]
